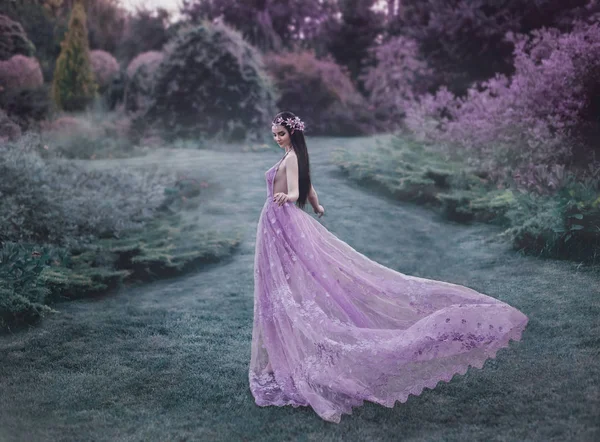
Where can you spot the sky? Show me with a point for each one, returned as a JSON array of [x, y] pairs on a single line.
[[171, 5]]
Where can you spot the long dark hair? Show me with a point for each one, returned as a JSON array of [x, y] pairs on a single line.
[[299, 146]]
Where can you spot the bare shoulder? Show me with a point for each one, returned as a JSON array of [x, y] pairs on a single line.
[[290, 157]]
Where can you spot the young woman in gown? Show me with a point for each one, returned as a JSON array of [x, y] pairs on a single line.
[[333, 328]]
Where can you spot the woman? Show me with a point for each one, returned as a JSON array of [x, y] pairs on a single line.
[[333, 328]]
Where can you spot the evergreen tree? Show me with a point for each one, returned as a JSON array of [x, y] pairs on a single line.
[[74, 85]]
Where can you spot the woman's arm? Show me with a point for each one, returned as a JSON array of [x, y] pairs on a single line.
[[313, 198]]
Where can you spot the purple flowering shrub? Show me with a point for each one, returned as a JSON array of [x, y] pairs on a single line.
[[535, 116], [399, 76], [464, 41], [23, 94]]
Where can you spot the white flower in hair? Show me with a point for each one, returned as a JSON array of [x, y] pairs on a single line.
[[292, 123]]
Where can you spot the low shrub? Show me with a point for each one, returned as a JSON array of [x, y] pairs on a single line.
[[64, 203], [68, 231], [90, 136]]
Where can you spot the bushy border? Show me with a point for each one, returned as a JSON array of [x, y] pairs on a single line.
[[68, 232], [564, 224]]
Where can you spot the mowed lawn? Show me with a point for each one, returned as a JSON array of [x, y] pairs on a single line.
[[168, 361]]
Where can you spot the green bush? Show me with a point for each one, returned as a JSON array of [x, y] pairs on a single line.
[[211, 82], [27, 107], [22, 290], [140, 80], [13, 39], [74, 86], [562, 225]]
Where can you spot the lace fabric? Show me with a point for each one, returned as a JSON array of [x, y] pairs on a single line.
[[339, 328]]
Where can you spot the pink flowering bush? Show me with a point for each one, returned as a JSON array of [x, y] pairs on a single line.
[[398, 77], [20, 72], [149, 58], [536, 116], [333, 106], [105, 67]]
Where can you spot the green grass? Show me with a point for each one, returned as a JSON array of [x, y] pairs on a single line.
[[169, 360]]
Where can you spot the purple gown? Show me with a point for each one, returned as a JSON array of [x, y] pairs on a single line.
[[339, 328]]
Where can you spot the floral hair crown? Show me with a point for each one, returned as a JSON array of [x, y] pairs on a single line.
[[292, 123]]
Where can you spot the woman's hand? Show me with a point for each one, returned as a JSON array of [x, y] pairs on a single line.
[[320, 211], [280, 198]]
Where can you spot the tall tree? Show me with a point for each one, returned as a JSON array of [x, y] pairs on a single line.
[[350, 36], [74, 85], [464, 41], [267, 24]]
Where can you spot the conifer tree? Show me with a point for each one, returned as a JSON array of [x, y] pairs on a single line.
[[74, 85]]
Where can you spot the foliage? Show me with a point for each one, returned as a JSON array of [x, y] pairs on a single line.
[[211, 83], [106, 19], [64, 203], [13, 39], [105, 67], [68, 231], [266, 25], [563, 225], [20, 72], [145, 31], [43, 29], [9, 130], [399, 76], [360, 25], [73, 85], [464, 41], [535, 116], [333, 106], [93, 137], [27, 107], [22, 290], [140, 80]]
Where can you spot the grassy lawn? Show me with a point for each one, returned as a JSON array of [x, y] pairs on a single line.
[[169, 360]]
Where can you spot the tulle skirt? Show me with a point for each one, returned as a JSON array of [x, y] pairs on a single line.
[[339, 328]]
